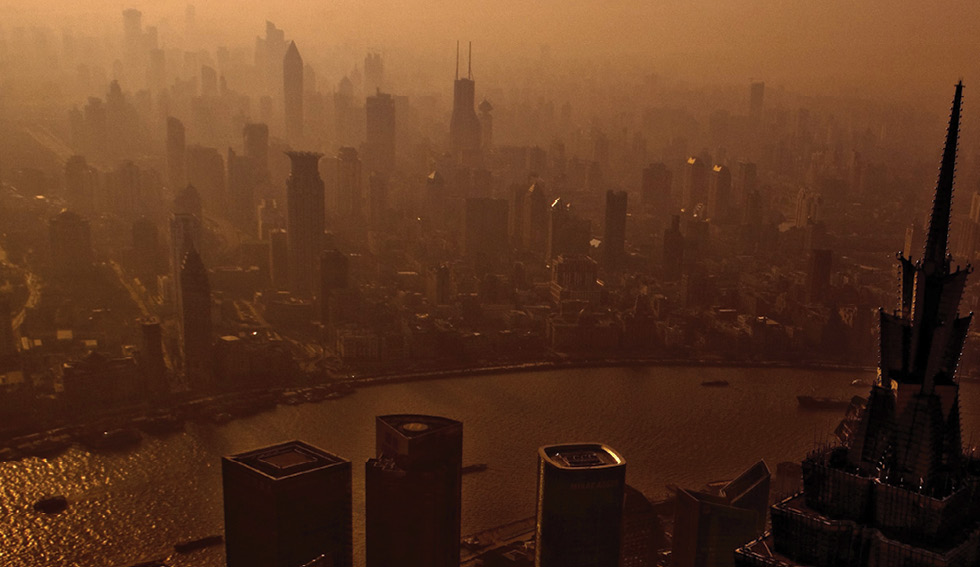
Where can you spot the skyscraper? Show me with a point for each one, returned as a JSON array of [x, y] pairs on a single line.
[[349, 198], [899, 490], [195, 321], [334, 276], [176, 153], [292, 83], [486, 124], [614, 235], [580, 506], [719, 193], [380, 146], [71, 242], [413, 492], [655, 191], [257, 149], [80, 182], [464, 126], [304, 220], [286, 505], [242, 177], [695, 190]]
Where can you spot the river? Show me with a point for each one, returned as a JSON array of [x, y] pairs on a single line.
[[131, 507]]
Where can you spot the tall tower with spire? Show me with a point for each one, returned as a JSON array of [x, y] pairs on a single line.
[[464, 126], [898, 489], [292, 88]]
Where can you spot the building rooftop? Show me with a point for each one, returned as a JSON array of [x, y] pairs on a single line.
[[413, 425], [287, 459], [581, 456]]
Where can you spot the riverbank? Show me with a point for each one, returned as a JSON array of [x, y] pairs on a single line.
[[221, 409]]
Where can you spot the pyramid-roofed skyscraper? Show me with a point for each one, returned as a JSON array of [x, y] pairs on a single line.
[[899, 490]]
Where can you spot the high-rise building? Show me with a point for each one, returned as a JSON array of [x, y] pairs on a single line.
[[899, 490], [614, 233], [242, 177], [568, 233], [304, 221], [581, 491], [257, 149], [71, 242], [719, 193], [292, 77], [279, 259], [195, 321], [695, 190], [150, 359], [380, 146], [349, 191], [655, 192], [745, 182], [80, 185], [673, 250], [708, 527], [285, 506], [413, 492], [334, 276], [486, 125], [176, 153], [206, 172], [485, 231], [819, 267], [464, 126]]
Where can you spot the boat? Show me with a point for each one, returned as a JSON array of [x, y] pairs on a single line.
[[715, 383], [195, 544], [112, 439], [51, 504], [475, 468], [859, 383], [819, 403]]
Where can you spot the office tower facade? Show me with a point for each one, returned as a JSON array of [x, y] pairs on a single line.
[[655, 194], [581, 490], [568, 233], [150, 359], [464, 126], [719, 194], [292, 89], [242, 177], [486, 125], [614, 230], [334, 276], [304, 220], [695, 190], [256, 137], [80, 185], [899, 489], [349, 190], [195, 321], [533, 219], [413, 492], [708, 527], [673, 249], [285, 506], [380, 146], [71, 242], [176, 153], [485, 231], [745, 182], [147, 249], [206, 172], [279, 259]]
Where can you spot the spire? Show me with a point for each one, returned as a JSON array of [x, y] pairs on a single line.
[[457, 59], [469, 64], [938, 237]]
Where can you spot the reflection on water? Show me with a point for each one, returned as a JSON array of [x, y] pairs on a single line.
[[133, 507]]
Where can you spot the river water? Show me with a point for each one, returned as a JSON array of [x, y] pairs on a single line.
[[131, 507]]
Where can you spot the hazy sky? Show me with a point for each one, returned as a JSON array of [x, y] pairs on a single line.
[[901, 45]]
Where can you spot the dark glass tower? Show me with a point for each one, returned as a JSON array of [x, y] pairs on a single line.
[[286, 505], [413, 492], [464, 126], [581, 489], [304, 221], [899, 489], [195, 320]]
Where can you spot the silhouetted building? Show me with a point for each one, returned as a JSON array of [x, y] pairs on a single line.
[[176, 153], [568, 233], [334, 276], [206, 172], [695, 190], [486, 125], [286, 505], [818, 274], [380, 145], [195, 321], [348, 187], [150, 359], [71, 242], [719, 194], [304, 221], [580, 506], [374, 68], [899, 490], [242, 176], [655, 190], [643, 533], [413, 492], [80, 185], [279, 259], [673, 250], [464, 126], [257, 150], [292, 76], [485, 231], [614, 234]]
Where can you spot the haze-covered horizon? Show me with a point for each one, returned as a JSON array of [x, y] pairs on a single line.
[[896, 50]]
